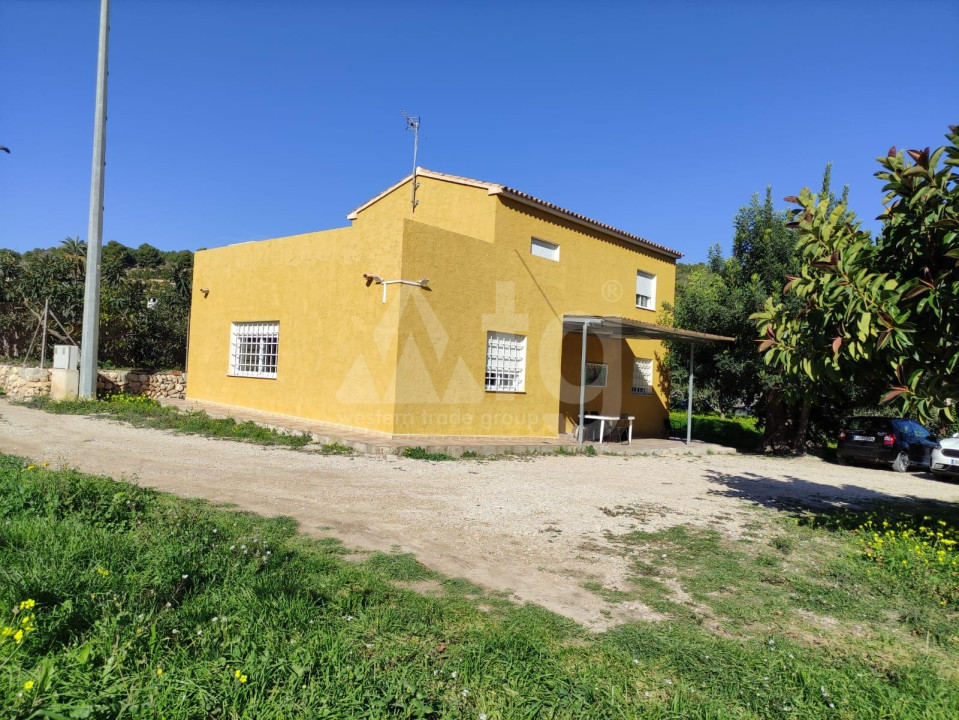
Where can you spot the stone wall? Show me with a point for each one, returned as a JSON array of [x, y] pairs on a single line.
[[171, 384], [20, 382]]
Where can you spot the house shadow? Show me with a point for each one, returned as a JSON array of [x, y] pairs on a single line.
[[845, 505]]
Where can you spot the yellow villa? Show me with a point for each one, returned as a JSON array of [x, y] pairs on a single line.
[[449, 307]]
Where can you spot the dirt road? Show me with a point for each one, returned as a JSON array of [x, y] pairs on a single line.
[[534, 527]]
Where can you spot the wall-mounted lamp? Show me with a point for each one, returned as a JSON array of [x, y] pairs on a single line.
[[205, 291], [370, 279]]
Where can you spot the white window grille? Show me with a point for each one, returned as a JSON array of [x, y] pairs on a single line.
[[642, 377], [253, 349], [505, 362], [543, 249], [645, 290]]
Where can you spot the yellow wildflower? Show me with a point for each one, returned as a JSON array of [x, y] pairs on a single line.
[[27, 605], [159, 672], [28, 685], [18, 636]]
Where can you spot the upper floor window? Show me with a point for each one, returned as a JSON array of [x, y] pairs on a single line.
[[505, 362], [253, 349], [543, 249], [645, 290]]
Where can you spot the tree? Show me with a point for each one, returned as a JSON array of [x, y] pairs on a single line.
[[180, 271], [885, 313], [132, 332], [116, 260], [721, 295], [75, 250], [147, 256]]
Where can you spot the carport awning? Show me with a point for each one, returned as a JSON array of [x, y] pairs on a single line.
[[620, 327]]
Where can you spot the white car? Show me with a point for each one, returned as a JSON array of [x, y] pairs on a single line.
[[945, 458]]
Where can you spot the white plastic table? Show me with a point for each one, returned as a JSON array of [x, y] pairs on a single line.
[[611, 418]]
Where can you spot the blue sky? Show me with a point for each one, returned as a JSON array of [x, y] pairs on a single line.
[[235, 120]]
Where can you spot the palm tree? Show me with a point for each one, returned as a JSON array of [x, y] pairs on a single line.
[[181, 274], [75, 250]]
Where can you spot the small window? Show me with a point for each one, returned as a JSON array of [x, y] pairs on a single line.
[[643, 377], [505, 362], [543, 249], [253, 349], [596, 374], [645, 290]]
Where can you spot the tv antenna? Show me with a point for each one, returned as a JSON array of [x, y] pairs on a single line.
[[413, 123]]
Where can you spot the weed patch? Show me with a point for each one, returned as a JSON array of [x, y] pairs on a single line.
[[141, 411], [418, 453]]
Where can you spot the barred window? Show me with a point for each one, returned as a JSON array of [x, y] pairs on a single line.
[[505, 362], [642, 377], [253, 349]]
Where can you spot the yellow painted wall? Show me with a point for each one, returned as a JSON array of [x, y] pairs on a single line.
[[477, 287], [416, 365], [312, 284]]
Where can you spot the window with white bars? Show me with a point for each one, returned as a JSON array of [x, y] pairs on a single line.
[[505, 362], [544, 249], [253, 349], [645, 290], [642, 377]]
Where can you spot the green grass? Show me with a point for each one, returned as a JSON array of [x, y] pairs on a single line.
[[142, 411], [735, 431], [820, 581], [127, 582]]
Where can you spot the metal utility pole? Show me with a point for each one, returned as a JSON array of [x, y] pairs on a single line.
[[91, 295], [689, 402]]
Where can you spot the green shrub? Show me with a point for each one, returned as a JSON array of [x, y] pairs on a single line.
[[739, 432]]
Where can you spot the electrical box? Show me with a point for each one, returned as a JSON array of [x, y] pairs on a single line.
[[66, 357]]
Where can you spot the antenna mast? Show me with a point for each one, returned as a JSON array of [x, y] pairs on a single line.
[[413, 123]]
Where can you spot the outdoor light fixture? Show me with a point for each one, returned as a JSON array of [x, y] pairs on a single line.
[[370, 279], [205, 291]]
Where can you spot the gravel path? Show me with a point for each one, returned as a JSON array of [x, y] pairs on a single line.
[[533, 527]]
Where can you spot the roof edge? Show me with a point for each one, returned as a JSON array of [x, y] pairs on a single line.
[[391, 188], [530, 201], [526, 199]]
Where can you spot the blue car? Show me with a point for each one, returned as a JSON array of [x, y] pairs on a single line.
[[902, 444]]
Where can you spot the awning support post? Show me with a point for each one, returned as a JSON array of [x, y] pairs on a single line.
[[581, 427], [689, 401]]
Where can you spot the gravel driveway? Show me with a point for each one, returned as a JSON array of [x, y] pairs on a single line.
[[533, 527]]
